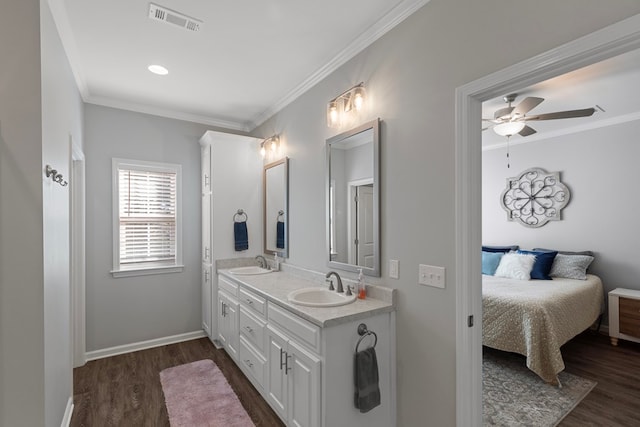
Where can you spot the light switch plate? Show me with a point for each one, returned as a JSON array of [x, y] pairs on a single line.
[[430, 275], [394, 268]]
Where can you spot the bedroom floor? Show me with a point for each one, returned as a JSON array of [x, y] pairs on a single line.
[[615, 400], [125, 390]]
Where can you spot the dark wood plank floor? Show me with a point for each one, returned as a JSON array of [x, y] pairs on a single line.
[[615, 400], [125, 390]]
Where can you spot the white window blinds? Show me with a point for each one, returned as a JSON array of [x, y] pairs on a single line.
[[147, 217]]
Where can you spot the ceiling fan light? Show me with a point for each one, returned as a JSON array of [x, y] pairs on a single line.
[[509, 128]]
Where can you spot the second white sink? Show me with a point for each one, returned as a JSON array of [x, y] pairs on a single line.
[[249, 271], [319, 297]]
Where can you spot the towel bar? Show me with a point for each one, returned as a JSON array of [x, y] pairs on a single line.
[[364, 332], [240, 213]]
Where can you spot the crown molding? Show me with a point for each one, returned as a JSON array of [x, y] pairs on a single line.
[[394, 17], [166, 112]]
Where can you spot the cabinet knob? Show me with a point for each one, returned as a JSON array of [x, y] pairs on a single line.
[[248, 362], [248, 328], [249, 301]]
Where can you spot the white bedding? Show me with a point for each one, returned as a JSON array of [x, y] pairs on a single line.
[[535, 317]]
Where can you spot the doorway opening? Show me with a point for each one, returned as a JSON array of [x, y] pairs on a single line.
[[603, 44]]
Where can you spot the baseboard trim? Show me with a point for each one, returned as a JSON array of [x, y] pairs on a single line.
[[68, 412], [143, 345]]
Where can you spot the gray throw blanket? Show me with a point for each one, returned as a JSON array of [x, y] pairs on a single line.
[[367, 394]]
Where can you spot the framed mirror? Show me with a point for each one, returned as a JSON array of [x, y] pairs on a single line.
[[275, 216], [353, 200]]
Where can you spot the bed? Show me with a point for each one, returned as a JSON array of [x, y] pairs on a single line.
[[536, 317]]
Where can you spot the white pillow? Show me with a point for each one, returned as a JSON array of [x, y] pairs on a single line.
[[516, 266]]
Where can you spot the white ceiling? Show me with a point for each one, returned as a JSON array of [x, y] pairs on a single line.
[[249, 59], [613, 85]]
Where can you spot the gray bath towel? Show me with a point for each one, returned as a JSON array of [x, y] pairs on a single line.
[[367, 394]]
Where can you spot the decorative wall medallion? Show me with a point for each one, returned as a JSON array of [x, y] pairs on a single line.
[[535, 197]]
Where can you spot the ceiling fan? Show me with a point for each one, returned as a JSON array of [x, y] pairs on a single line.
[[509, 121]]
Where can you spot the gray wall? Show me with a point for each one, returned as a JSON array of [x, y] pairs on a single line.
[[133, 309], [40, 108], [21, 216], [62, 117], [600, 168], [411, 74]]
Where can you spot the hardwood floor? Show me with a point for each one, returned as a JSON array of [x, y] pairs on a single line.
[[615, 400], [125, 390]]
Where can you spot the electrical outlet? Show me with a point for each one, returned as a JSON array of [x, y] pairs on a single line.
[[394, 269], [430, 275]]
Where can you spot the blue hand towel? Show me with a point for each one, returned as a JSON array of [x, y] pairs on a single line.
[[241, 236], [367, 394], [280, 235]]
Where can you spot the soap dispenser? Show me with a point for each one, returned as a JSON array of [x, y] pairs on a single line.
[[362, 288], [276, 262]]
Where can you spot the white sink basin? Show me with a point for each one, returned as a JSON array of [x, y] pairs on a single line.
[[319, 297], [249, 271]]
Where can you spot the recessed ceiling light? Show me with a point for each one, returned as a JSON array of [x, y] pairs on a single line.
[[158, 69]]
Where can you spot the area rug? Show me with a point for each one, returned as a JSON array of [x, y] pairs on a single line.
[[515, 396], [198, 395]]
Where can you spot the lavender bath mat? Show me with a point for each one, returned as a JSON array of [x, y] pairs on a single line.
[[198, 395]]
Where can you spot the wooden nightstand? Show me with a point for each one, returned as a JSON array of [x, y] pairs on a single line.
[[624, 315]]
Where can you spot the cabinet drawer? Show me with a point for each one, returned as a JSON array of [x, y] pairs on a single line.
[[252, 328], [252, 363], [227, 286], [306, 332], [629, 308], [253, 301]]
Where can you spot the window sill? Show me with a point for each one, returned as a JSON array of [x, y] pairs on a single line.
[[146, 271]]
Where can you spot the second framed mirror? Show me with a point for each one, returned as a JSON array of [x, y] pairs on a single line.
[[275, 194]]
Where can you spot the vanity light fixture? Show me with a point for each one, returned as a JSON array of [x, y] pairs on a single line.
[[271, 143], [344, 104]]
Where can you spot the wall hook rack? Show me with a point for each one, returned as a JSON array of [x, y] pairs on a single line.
[[55, 176]]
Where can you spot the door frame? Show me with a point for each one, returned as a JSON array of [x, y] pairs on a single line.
[[352, 230], [608, 42], [77, 238]]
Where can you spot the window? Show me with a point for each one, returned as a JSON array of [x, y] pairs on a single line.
[[146, 218]]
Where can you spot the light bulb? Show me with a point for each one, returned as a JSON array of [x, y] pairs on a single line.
[[332, 119], [273, 145], [262, 150], [358, 99]]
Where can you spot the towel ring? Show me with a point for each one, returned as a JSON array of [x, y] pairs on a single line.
[[364, 332], [280, 213], [240, 213]]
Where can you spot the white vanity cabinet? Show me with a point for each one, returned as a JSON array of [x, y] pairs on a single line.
[[304, 368]]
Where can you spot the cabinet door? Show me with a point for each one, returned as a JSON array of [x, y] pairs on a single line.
[[228, 330], [205, 168], [206, 228], [276, 375], [206, 299], [304, 387]]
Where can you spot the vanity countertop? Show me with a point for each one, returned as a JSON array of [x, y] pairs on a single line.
[[276, 286]]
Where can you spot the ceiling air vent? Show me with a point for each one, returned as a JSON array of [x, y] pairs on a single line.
[[159, 13]]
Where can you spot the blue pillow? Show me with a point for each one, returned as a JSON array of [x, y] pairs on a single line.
[[542, 266], [490, 261], [503, 249]]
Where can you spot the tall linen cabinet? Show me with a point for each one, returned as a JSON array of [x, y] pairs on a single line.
[[230, 179]]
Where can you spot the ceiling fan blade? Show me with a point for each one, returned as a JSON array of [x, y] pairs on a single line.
[[526, 131], [503, 113], [527, 105], [563, 114]]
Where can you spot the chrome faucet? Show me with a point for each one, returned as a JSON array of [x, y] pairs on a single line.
[[339, 289], [262, 261]]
